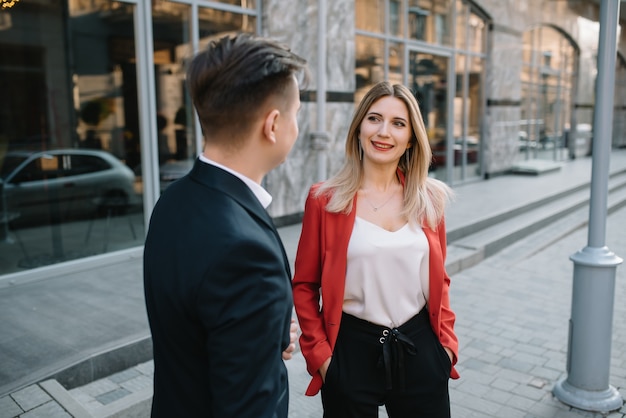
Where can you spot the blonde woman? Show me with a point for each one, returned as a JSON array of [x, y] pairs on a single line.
[[373, 248]]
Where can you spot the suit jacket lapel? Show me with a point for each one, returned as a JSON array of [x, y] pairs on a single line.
[[216, 178]]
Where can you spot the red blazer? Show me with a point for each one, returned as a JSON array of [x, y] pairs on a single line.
[[320, 265]]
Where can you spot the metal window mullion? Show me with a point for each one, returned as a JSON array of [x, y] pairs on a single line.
[[146, 93], [465, 110], [259, 18], [450, 121], [195, 44], [225, 7], [386, 41]]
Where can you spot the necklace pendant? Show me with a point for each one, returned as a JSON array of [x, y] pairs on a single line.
[[375, 209]]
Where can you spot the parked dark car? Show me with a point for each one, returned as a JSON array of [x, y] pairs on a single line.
[[60, 185]]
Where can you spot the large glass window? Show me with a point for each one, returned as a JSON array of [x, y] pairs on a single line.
[[173, 47], [71, 141], [397, 53], [547, 79], [69, 113], [428, 79], [370, 15], [430, 20], [370, 65]]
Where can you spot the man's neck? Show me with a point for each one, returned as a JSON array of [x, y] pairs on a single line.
[[239, 162]]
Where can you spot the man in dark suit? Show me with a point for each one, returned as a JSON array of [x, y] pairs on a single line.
[[216, 276]]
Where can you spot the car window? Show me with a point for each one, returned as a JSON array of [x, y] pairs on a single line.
[[43, 168], [83, 164]]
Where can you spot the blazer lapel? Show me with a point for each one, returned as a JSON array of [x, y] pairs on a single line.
[[216, 178]]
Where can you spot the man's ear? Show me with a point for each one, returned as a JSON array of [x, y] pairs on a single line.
[[270, 124]]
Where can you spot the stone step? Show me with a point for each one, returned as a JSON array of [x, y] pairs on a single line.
[[561, 216]]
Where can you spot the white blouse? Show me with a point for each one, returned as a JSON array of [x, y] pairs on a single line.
[[387, 273]]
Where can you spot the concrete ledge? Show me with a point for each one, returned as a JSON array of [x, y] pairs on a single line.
[[105, 363], [536, 167]]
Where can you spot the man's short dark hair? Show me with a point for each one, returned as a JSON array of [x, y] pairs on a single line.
[[234, 76]]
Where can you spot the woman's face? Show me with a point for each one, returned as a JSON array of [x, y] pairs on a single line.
[[385, 132]]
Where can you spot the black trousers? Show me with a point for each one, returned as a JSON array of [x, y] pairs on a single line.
[[405, 368]]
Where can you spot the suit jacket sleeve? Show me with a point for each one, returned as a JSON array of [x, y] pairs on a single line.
[[307, 283], [242, 307]]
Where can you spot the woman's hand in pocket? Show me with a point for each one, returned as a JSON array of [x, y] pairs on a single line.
[[324, 368]]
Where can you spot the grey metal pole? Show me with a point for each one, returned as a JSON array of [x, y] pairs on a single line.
[[588, 364]]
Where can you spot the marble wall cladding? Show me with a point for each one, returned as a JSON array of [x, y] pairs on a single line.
[[340, 45], [289, 183], [501, 138], [503, 78], [297, 25], [339, 117]]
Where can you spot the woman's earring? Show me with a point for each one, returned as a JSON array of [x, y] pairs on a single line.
[[360, 152], [406, 156]]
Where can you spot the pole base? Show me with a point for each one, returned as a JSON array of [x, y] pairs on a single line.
[[596, 401]]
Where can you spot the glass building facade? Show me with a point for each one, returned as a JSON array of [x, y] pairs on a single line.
[[95, 119], [93, 128]]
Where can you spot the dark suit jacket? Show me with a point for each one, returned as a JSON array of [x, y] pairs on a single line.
[[218, 296]]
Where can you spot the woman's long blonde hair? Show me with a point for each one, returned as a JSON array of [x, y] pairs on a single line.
[[425, 198]]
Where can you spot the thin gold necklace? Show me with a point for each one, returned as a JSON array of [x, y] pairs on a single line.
[[375, 208]]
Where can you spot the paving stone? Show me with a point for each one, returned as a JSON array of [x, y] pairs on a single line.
[[112, 396], [504, 384], [30, 397], [146, 368], [48, 410], [514, 364], [99, 387], [138, 383], [124, 375], [520, 402], [509, 412], [9, 408]]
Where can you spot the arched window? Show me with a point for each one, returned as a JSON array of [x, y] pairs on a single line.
[[548, 81]]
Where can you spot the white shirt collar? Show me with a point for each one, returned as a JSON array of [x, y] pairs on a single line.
[[261, 194]]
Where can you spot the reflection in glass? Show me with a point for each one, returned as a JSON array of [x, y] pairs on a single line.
[[476, 37], [547, 78], [69, 134], [429, 20], [370, 15], [468, 110], [428, 79], [246, 4], [462, 11], [369, 64], [175, 124], [396, 59], [215, 23], [396, 27]]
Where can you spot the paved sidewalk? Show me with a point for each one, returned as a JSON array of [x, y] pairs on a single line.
[[512, 309], [512, 321]]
